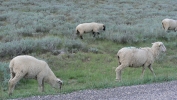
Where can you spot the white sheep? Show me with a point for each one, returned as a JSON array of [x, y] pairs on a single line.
[[169, 24], [25, 66], [89, 27], [137, 57]]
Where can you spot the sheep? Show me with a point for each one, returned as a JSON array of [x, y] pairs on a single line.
[[169, 24], [89, 27], [138, 57], [25, 66]]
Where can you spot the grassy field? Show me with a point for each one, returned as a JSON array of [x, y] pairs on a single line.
[[41, 28]]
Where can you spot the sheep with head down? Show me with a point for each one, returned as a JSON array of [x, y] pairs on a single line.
[[169, 24], [89, 27], [26, 66], [137, 57]]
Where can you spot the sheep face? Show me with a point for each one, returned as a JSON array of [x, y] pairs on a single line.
[[104, 27], [58, 83], [160, 46]]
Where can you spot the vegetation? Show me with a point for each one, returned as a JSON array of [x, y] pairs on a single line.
[[45, 29]]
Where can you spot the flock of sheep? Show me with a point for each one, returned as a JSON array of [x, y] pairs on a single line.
[[26, 66]]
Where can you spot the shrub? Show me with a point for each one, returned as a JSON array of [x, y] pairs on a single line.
[[49, 43], [20, 47], [27, 46], [25, 31], [74, 44], [4, 75], [123, 38], [94, 50], [42, 28], [2, 18]]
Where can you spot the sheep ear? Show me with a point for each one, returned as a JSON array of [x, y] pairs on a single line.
[[160, 44], [59, 81]]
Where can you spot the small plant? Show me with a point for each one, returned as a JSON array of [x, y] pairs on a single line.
[[2, 18], [94, 50]]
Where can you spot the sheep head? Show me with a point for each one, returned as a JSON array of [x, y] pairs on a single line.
[[58, 83], [160, 46], [104, 27]]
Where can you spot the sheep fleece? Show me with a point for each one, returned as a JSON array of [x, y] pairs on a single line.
[[169, 24], [89, 27], [29, 65], [137, 57]]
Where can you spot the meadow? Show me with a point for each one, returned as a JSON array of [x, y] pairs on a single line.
[[44, 28]]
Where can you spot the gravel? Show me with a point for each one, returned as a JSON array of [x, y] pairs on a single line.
[[156, 91]]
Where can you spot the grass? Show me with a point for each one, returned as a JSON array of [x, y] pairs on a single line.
[[40, 28], [93, 71]]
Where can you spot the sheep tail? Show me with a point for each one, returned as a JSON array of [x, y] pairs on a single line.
[[119, 60], [11, 66]]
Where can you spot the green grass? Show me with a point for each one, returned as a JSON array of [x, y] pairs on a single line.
[[39, 28], [94, 71]]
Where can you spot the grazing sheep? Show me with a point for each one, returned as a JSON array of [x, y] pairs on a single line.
[[169, 24], [89, 27], [137, 57], [25, 66]]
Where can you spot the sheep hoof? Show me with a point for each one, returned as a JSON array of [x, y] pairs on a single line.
[[81, 37], [10, 94]]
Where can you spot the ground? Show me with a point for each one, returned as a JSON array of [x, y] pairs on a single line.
[[155, 91]]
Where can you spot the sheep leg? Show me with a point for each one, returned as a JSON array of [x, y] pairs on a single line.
[[79, 34], [93, 34], [151, 69], [165, 26], [14, 81], [118, 72], [40, 83], [12, 75], [81, 37], [142, 75], [42, 86], [175, 29], [98, 34]]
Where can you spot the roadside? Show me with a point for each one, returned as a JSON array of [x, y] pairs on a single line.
[[156, 91]]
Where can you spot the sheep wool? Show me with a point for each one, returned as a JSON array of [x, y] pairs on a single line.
[[89, 27], [169, 24], [137, 57], [25, 66]]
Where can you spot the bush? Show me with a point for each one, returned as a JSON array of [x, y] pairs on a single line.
[[94, 50], [4, 75], [71, 45], [49, 43], [123, 38], [27, 46]]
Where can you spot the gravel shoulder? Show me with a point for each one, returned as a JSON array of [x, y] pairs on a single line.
[[156, 91]]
